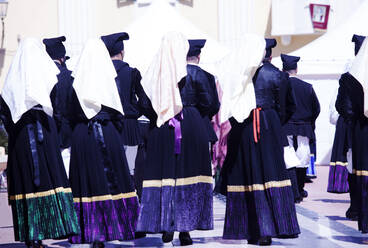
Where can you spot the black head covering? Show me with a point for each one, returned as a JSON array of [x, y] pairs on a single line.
[[195, 47], [358, 40], [289, 62], [270, 43], [55, 47], [114, 42]]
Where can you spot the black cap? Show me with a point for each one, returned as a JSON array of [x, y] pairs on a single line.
[[55, 47], [114, 42], [195, 47], [270, 43], [358, 40], [289, 62]]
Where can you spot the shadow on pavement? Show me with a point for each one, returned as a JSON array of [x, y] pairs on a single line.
[[220, 240], [13, 245], [206, 240], [61, 243], [335, 218], [332, 201], [6, 226], [352, 239], [144, 242]]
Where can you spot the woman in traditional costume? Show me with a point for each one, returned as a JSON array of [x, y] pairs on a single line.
[[342, 177], [351, 104], [38, 188], [260, 202], [177, 185], [103, 191]]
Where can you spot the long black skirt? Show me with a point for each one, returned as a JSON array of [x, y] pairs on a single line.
[[211, 132], [103, 191], [131, 133], [260, 200], [360, 170], [177, 189], [39, 192], [141, 159], [338, 175]]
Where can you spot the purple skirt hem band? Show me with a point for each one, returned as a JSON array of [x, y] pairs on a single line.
[[106, 220], [181, 208], [338, 179], [255, 214]]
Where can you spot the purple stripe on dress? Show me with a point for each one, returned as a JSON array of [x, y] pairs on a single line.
[[338, 179], [175, 122], [260, 213], [106, 220], [190, 209]]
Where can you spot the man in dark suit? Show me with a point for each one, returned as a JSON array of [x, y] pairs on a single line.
[[300, 128], [60, 95]]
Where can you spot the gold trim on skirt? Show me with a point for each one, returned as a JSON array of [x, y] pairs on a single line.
[[105, 197], [339, 163], [179, 181], [40, 194], [360, 172], [258, 187]]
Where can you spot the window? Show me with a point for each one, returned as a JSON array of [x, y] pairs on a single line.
[[187, 2], [122, 3]]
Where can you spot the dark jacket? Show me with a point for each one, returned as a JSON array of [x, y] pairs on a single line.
[[60, 98], [206, 82], [307, 104], [273, 90], [133, 98]]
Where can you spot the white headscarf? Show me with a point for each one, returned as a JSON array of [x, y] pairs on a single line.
[[94, 79], [235, 77], [359, 70], [167, 68], [30, 79]]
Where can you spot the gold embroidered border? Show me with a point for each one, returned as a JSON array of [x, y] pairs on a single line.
[[360, 172], [105, 197], [339, 163], [40, 194], [258, 187], [179, 181]]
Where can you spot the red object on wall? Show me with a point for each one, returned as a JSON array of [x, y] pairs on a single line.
[[319, 15]]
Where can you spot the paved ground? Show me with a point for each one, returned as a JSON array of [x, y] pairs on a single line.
[[321, 218]]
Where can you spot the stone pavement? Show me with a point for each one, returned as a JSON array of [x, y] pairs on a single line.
[[321, 218]]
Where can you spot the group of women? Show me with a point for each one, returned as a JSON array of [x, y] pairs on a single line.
[[94, 110], [349, 167]]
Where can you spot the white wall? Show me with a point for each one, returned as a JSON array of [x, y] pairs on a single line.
[[77, 21], [25, 18], [325, 89], [236, 17], [204, 14]]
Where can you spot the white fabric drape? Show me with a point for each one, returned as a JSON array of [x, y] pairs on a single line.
[[359, 70], [167, 68], [235, 76], [291, 160], [302, 152], [334, 115], [30, 79], [94, 79]]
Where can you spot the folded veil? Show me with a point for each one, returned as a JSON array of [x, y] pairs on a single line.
[[167, 68], [359, 70], [235, 77], [94, 79], [30, 79]]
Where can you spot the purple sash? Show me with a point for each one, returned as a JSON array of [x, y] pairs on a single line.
[[175, 122]]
